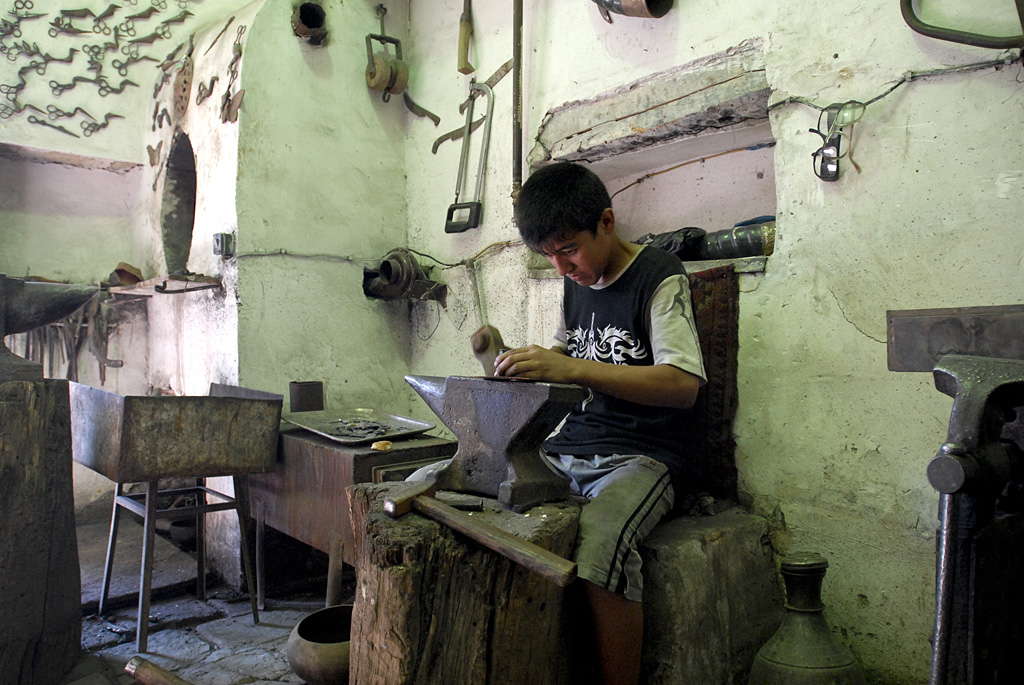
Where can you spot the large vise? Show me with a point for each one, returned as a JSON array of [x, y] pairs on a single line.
[[979, 614], [500, 424]]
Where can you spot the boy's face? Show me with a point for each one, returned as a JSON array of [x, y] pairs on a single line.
[[585, 257]]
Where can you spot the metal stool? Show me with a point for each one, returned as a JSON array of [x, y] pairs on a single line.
[[144, 505], [142, 439]]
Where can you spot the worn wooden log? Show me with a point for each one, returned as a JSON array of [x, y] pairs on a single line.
[[433, 607], [40, 582]]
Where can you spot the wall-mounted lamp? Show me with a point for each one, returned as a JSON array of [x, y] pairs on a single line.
[[831, 124]]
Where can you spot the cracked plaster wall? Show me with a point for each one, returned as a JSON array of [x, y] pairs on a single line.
[[320, 195], [830, 443]]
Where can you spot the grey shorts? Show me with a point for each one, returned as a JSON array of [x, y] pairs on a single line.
[[628, 495]]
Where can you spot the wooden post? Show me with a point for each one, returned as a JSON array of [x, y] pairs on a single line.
[[40, 583], [433, 607]]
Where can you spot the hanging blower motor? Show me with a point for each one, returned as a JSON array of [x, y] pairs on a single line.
[[400, 277], [384, 72]]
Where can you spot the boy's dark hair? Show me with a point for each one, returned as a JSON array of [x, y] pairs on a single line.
[[559, 201]]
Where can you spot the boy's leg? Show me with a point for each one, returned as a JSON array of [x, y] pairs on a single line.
[[629, 495], [619, 627]]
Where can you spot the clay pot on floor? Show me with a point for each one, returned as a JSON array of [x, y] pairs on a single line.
[[318, 646]]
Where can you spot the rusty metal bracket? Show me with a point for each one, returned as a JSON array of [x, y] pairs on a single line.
[[186, 287]]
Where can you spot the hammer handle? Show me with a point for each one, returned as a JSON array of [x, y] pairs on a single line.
[[533, 557], [149, 673], [465, 31]]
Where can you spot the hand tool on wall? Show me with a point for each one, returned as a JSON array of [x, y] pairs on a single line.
[[474, 206], [391, 74], [384, 72], [533, 557], [465, 32], [492, 81]]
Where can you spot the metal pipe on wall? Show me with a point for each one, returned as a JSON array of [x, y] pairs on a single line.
[[517, 99]]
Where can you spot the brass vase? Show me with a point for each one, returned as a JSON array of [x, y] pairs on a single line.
[[803, 650]]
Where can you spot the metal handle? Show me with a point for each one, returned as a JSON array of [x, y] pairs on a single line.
[[962, 37]]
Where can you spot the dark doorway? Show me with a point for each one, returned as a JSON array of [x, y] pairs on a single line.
[[178, 209]]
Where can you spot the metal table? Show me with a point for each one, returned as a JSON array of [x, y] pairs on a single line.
[[304, 496]]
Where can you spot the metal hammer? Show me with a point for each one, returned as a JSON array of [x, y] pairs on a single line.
[[533, 557]]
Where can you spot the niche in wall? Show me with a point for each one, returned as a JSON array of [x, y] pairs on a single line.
[[178, 204], [690, 146]]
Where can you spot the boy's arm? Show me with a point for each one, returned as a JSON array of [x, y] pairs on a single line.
[[661, 385], [667, 383]]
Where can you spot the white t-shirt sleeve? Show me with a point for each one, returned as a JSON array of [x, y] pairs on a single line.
[[672, 329], [560, 340]]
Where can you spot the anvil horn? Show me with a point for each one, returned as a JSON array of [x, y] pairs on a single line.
[[431, 389]]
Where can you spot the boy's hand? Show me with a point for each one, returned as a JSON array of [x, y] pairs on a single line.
[[536, 363], [660, 385]]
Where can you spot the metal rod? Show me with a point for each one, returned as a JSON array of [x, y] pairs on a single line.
[[485, 89], [517, 99], [464, 154]]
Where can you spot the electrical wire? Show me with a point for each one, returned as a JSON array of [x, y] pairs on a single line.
[[317, 257], [692, 161], [435, 259], [467, 262], [436, 324], [502, 244], [1007, 59]]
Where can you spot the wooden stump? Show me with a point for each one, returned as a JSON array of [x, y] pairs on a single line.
[[40, 582], [433, 607]]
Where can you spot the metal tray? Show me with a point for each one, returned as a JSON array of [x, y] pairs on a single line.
[[355, 425]]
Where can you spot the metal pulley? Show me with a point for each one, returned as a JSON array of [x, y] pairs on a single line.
[[400, 277], [384, 71]]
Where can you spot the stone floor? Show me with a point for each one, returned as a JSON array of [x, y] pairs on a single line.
[[212, 642]]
